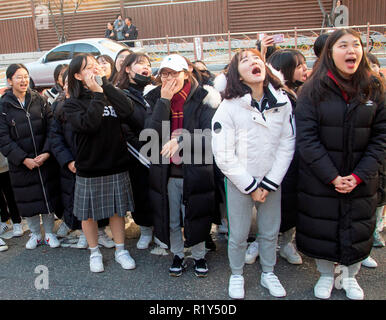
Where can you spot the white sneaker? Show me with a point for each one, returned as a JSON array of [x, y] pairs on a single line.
[[369, 263], [125, 260], [34, 241], [272, 283], [252, 253], [236, 287], [160, 243], [144, 241], [3, 227], [323, 287], [52, 240], [3, 245], [289, 253], [96, 262], [104, 240], [17, 230], [82, 242], [352, 288], [63, 230]]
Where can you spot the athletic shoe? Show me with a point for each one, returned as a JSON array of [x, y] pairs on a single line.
[[369, 263], [144, 242], [323, 287], [125, 260], [17, 230], [63, 230], [51, 240], [104, 240], [3, 227], [200, 268], [272, 283], [160, 243], [34, 241], [252, 253], [82, 242], [3, 245], [352, 288], [236, 287], [96, 262], [289, 253], [177, 266]]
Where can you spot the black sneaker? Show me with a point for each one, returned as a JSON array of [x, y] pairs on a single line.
[[209, 244], [177, 267], [200, 268]]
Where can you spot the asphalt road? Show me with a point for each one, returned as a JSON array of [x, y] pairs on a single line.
[[69, 277]]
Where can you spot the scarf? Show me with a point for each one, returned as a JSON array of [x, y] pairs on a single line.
[[344, 93], [177, 107]]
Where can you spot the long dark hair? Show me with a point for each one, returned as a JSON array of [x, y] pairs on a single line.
[[363, 85], [75, 87], [236, 88], [12, 68], [122, 79], [286, 61]]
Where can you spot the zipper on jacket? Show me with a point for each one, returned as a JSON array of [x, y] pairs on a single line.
[[262, 114], [40, 174]]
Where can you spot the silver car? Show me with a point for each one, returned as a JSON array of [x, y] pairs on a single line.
[[42, 70]]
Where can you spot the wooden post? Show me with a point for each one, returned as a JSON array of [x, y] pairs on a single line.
[[296, 38], [34, 27], [167, 44], [229, 46], [368, 37]]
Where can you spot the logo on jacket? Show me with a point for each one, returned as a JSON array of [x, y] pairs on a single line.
[[109, 112]]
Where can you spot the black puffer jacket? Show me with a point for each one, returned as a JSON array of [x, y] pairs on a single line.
[[335, 138], [199, 188], [23, 134]]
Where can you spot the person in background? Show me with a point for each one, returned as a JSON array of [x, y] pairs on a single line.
[[8, 208], [24, 125], [110, 32], [266, 46], [319, 45], [118, 27], [107, 64], [176, 185], [121, 55], [54, 92], [340, 122], [206, 76], [129, 32], [254, 109]]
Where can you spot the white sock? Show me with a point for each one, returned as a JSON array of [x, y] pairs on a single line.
[[119, 247], [95, 250]]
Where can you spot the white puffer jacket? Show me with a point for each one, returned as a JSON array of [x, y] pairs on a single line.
[[252, 147]]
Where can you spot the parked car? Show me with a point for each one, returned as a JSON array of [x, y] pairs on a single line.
[[42, 70]]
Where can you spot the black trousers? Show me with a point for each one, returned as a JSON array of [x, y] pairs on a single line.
[[7, 200]]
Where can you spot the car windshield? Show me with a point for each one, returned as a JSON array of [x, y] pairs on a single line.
[[112, 45]]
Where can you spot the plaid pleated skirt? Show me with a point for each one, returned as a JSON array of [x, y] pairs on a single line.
[[102, 197]]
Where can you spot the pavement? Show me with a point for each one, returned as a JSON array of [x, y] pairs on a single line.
[[69, 277]]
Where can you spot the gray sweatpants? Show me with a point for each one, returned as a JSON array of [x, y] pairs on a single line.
[[175, 191], [327, 268], [239, 221], [48, 223]]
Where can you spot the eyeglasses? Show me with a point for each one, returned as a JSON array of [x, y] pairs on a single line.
[[20, 78], [165, 74]]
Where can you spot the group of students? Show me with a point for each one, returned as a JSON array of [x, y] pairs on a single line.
[[172, 149], [122, 30]]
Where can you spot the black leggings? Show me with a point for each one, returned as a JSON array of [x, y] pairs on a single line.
[[7, 200]]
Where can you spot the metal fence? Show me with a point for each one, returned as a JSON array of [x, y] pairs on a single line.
[[219, 48]]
